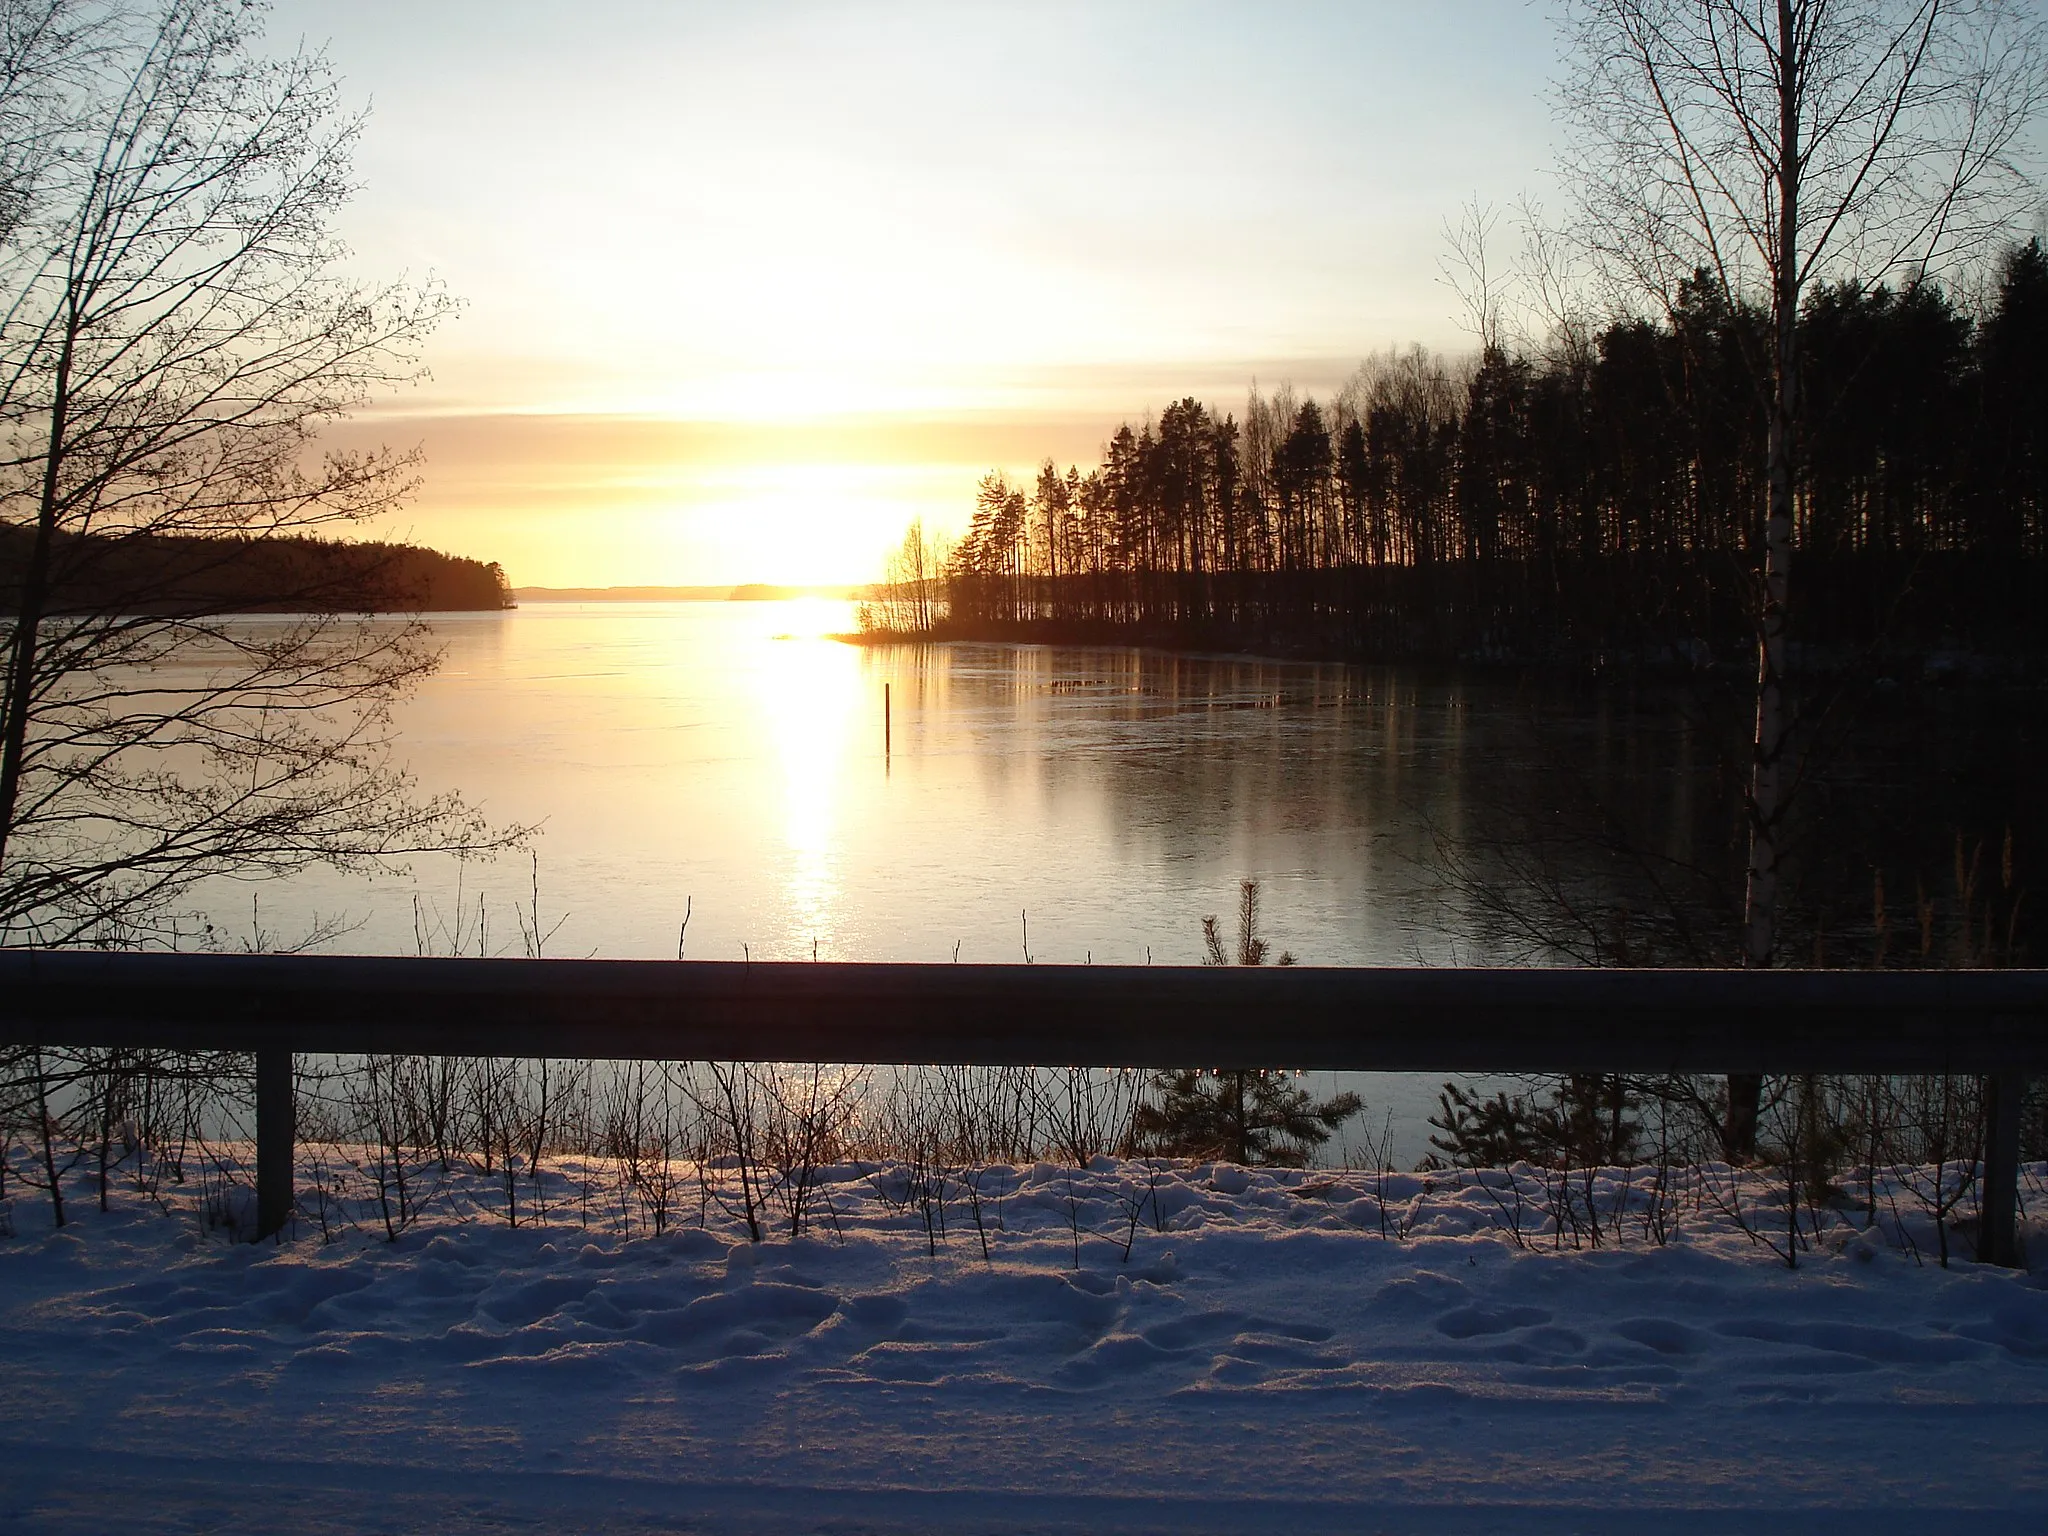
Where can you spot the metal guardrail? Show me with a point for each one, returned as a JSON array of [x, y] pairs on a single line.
[[1423, 1020]]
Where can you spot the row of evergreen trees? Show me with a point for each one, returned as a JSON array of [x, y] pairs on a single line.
[[1602, 490], [169, 574]]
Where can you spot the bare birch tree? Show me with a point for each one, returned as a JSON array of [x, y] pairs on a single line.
[[1764, 145], [176, 326]]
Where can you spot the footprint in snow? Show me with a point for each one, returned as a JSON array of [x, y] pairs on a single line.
[[1425, 1292], [899, 1364], [521, 1306], [1556, 1341], [875, 1312], [1206, 1327], [759, 1320], [1663, 1335], [1274, 1354], [1114, 1359], [2018, 1327], [1860, 1342], [1475, 1322]]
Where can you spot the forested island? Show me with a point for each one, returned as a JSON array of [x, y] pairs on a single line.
[[750, 592], [163, 574], [1593, 499]]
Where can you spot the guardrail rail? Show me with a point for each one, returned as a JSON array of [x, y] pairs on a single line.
[[1460, 1020]]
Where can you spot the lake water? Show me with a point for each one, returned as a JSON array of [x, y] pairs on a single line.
[[727, 760]]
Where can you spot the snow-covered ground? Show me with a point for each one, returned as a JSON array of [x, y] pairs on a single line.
[[1186, 1348]]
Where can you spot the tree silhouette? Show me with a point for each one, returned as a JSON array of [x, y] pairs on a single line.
[[1242, 1115], [174, 331], [1766, 146]]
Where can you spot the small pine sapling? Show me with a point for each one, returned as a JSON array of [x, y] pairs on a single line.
[[1240, 1114]]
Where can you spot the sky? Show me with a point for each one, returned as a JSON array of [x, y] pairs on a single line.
[[745, 288]]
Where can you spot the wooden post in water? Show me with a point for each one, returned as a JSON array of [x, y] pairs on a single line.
[[276, 1137], [885, 720], [1998, 1238]]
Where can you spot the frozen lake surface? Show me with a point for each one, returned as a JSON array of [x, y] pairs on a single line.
[[727, 760]]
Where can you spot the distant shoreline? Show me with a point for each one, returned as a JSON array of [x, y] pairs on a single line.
[[747, 592]]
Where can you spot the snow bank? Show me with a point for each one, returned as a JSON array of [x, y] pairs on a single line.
[[1132, 1346]]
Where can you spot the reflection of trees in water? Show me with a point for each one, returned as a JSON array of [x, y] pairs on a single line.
[[1602, 827], [1593, 823], [1625, 845]]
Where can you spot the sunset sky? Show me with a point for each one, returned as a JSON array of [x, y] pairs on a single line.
[[747, 287]]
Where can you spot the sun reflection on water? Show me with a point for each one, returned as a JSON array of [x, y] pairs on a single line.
[[810, 694], [812, 618]]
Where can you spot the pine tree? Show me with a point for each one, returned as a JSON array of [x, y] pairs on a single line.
[[1239, 1115]]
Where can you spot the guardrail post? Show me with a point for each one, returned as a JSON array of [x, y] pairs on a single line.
[[1998, 1234], [276, 1139]]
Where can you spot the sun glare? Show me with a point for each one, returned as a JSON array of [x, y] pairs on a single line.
[[811, 691], [813, 618]]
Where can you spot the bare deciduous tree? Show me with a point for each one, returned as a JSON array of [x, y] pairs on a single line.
[[1762, 145], [911, 595], [175, 329]]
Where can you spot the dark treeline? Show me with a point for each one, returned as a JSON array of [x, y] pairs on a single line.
[[1597, 498], [143, 573]]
